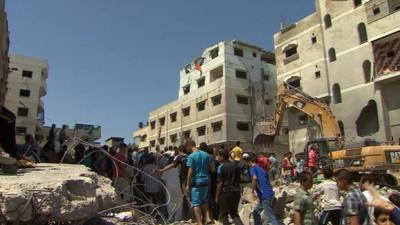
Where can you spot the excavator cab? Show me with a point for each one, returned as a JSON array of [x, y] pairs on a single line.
[[324, 146]]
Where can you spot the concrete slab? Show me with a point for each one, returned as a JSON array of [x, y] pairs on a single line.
[[57, 192]]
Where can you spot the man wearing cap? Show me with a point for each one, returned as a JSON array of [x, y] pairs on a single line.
[[244, 169], [237, 152]]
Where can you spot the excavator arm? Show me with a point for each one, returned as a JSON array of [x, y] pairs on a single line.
[[313, 107]]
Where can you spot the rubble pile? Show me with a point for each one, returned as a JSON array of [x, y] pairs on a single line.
[[55, 192]]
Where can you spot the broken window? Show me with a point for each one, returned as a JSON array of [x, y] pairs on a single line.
[[357, 3], [267, 101], [143, 138], [243, 126], [172, 116], [362, 33], [238, 52], [313, 40], [266, 77], [186, 111], [254, 55], [317, 74], [20, 130], [341, 127], [216, 100], [153, 143], [201, 131], [290, 50], [201, 82], [303, 119], [367, 71], [332, 55], [217, 126], [337, 94], [201, 106], [14, 69], [23, 112], [376, 10], [173, 138], [186, 134], [153, 124], [242, 99], [216, 73], [186, 89], [368, 123], [214, 53], [390, 54], [161, 140], [327, 21], [27, 73], [294, 82], [241, 74], [24, 93], [162, 121]]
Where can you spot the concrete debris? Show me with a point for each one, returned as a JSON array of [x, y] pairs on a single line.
[[57, 192]]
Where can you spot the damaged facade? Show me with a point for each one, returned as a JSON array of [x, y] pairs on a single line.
[[222, 95], [4, 45], [26, 86], [348, 54]]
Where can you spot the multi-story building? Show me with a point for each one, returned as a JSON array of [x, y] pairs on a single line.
[[347, 53], [26, 87], [114, 141], [222, 95], [4, 44]]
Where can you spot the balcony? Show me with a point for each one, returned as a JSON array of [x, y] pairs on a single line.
[[40, 107], [387, 58], [42, 89]]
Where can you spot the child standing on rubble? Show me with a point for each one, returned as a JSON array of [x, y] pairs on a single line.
[[303, 202]]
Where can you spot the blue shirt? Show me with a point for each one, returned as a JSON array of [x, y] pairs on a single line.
[[264, 188], [199, 162]]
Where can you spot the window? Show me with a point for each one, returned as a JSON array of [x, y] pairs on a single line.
[[216, 73], [143, 138], [201, 82], [362, 33], [254, 55], [216, 100], [267, 101], [153, 143], [186, 89], [242, 100], [337, 95], [238, 52], [317, 74], [327, 21], [172, 116], [241, 74], [376, 11], [367, 71], [341, 127], [266, 77], [201, 106], [186, 134], [27, 73], [303, 119], [186, 111], [162, 121], [201, 131], [214, 53], [14, 69], [390, 54], [294, 82], [153, 124], [357, 3], [290, 50], [24, 93], [20, 130], [313, 40], [161, 140], [332, 55], [243, 126], [217, 126], [173, 138], [23, 112]]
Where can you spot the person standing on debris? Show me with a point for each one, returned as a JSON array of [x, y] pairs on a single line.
[[244, 169], [312, 162], [303, 202], [274, 168], [264, 162], [199, 164], [228, 190], [260, 184], [287, 167], [355, 205], [237, 152], [328, 192], [299, 164]]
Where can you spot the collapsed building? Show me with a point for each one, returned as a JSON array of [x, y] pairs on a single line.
[[348, 54]]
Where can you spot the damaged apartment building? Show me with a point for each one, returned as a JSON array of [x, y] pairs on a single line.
[[347, 53], [222, 95], [4, 45]]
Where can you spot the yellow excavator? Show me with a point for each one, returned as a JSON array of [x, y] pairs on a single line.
[[383, 160]]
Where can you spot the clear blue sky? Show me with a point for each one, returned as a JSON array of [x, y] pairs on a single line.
[[113, 61]]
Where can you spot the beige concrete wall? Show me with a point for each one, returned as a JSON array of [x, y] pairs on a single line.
[[4, 45], [37, 86]]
